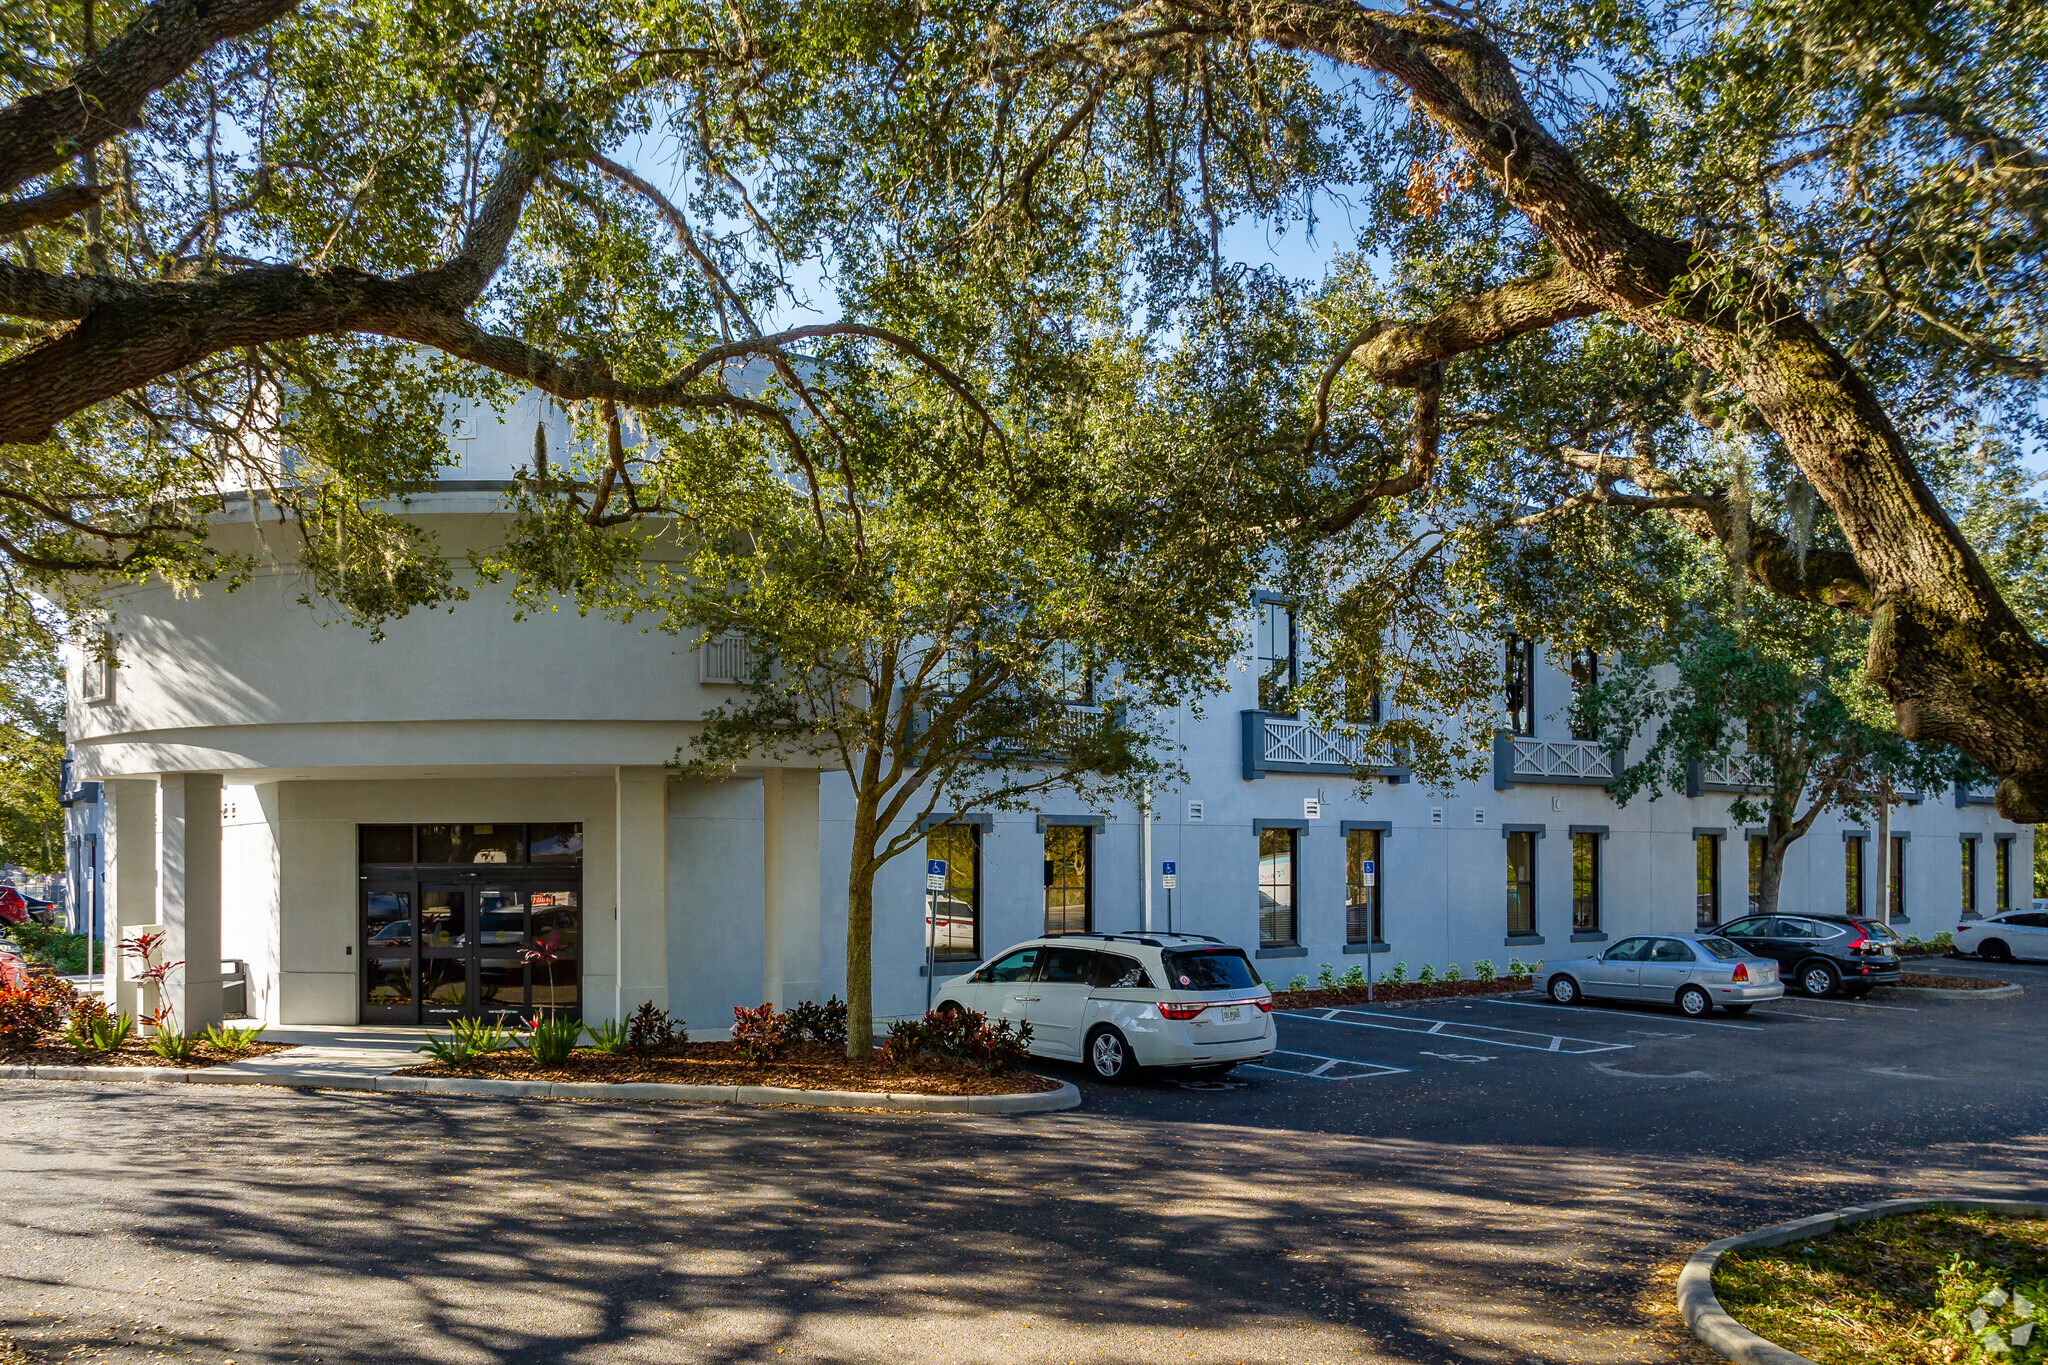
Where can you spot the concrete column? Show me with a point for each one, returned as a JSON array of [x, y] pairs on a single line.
[[792, 969], [641, 852], [188, 894], [130, 854]]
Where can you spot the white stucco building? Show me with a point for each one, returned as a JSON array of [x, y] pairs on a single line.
[[376, 828]]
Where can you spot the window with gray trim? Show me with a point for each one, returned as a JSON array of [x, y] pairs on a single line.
[[1706, 879], [1277, 886], [1586, 883], [1362, 923], [953, 928], [1969, 875], [1521, 881], [1069, 868], [1276, 658]]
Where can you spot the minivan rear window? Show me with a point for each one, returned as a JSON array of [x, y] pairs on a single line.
[[1208, 969]]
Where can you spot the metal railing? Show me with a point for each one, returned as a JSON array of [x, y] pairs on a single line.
[[1559, 762], [1738, 773], [1288, 744]]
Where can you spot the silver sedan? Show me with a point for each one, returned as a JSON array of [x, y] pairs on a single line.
[[1692, 971]]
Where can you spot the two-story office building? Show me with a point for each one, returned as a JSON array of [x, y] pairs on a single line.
[[378, 828]]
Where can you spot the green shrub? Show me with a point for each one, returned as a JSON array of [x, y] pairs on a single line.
[[1427, 976], [652, 1030], [811, 1022], [233, 1041], [1327, 977], [1451, 973], [1483, 970], [40, 943], [1356, 976], [467, 1038], [1945, 940], [609, 1037], [1517, 967], [958, 1036], [1299, 982], [550, 1041], [173, 1046]]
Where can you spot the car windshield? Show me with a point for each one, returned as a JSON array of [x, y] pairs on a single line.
[[1721, 948], [1208, 969]]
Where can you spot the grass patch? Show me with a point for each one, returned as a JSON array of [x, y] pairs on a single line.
[[1868, 1295]]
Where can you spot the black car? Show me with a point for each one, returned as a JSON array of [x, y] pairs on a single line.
[[1821, 954]]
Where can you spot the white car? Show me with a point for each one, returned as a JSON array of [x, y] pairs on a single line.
[[1118, 1002], [2004, 936]]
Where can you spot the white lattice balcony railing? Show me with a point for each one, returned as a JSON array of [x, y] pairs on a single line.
[[1286, 744], [1738, 773], [1971, 794], [725, 659], [1566, 762]]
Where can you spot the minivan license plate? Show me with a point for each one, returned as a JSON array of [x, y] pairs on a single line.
[[1232, 1014]]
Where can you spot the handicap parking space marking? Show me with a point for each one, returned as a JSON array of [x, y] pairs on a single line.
[[1588, 1013], [1459, 1057], [1654, 1075], [1424, 1026], [1899, 1073], [1321, 1068]]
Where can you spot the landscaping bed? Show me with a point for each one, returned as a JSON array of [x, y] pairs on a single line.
[[805, 1066], [1388, 992], [1931, 981], [1899, 1291], [134, 1052]]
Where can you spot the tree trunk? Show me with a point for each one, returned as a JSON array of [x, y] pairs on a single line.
[[860, 932], [1778, 837]]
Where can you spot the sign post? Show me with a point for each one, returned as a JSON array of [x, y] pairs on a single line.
[[1167, 880], [1368, 872], [934, 883]]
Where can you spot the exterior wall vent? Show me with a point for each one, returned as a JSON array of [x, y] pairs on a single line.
[[725, 661]]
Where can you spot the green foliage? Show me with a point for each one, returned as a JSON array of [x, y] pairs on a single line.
[[92, 1029], [1298, 982], [1994, 1318], [1355, 976], [1427, 976], [549, 1041], [811, 1022], [651, 1030], [1483, 970], [956, 1038], [173, 1045], [235, 1041], [1327, 977], [41, 943], [612, 1037], [1451, 972], [468, 1038]]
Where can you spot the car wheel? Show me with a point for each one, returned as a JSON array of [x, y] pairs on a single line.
[[1995, 950], [1564, 990], [1109, 1056], [1695, 1002], [1736, 1009], [1818, 978]]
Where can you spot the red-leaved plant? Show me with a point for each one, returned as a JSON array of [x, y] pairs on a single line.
[[28, 1012], [142, 948], [545, 951], [957, 1037], [759, 1034]]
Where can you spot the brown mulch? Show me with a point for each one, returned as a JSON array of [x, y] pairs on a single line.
[[134, 1052], [1385, 994], [808, 1066], [1933, 982]]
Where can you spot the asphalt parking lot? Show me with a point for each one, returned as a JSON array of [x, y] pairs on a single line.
[[1899, 1060], [1451, 1184]]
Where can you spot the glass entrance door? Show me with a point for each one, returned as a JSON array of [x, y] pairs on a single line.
[[499, 937]]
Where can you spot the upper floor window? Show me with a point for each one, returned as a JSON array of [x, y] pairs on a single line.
[[1362, 699], [1520, 685], [1585, 677], [96, 669], [1276, 658], [1068, 675]]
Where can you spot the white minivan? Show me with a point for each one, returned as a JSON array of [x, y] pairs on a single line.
[[1118, 1002]]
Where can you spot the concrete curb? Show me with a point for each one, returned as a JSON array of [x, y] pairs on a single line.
[[1943, 993], [1713, 1325], [1042, 1102]]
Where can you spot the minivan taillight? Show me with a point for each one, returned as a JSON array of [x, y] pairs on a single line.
[[1182, 1011], [1742, 971]]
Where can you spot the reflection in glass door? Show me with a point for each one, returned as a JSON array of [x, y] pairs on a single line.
[[488, 922]]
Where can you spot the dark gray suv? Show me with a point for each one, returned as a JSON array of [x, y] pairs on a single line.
[[1822, 954]]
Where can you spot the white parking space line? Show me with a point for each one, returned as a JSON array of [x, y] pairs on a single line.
[[1794, 1014], [1326, 1068], [1583, 1013], [1442, 1028], [1849, 1004]]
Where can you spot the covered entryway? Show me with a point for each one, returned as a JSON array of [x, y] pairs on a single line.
[[470, 921]]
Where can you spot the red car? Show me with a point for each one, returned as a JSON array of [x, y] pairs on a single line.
[[13, 906]]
